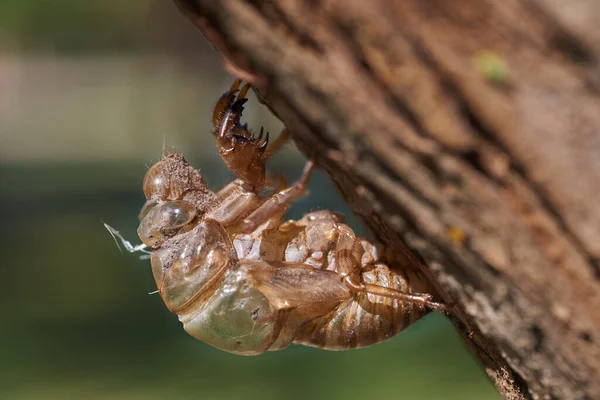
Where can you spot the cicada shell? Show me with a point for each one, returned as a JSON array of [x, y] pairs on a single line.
[[242, 279]]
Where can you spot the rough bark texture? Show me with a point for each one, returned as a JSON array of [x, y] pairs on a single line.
[[466, 131]]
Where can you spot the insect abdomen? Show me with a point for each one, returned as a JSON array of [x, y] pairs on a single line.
[[367, 319]]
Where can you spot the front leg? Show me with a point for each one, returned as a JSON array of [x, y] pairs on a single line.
[[244, 154], [235, 203], [229, 189], [273, 182], [277, 203]]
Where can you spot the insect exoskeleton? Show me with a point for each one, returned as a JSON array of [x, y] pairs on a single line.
[[243, 280]]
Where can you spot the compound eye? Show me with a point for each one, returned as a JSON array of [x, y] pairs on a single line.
[[156, 182], [163, 219], [175, 214], [148, 206]]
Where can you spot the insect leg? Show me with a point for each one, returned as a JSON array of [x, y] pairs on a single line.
[[277, 202], [224, 103], [244, 91], [278, 143], [233, 205], [237, 202], [228, 111], [240, 150], [228, 189], [348, 265], [276, 182]]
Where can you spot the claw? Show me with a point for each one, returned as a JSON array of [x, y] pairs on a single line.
[[224, 103], [238, 105], [229, 95], [231, 117], [244, 91], [242, 152], [263, 146], [234, 87], [236, 136]]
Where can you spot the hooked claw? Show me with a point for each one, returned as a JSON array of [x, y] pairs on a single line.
[[224, 103], [242, 152], [263, 146]]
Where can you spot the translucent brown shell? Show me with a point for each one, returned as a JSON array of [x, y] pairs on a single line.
[[242, 279]]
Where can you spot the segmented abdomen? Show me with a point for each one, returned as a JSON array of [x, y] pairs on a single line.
[[367, 319]]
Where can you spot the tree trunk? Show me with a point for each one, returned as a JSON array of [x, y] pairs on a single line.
[[465, 131]]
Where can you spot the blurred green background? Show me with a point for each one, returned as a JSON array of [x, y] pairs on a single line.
[[88, 90]]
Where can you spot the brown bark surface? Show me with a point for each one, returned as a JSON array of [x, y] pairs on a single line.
[[465, 131]]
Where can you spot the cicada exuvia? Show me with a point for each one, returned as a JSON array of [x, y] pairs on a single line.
[[244, 280]]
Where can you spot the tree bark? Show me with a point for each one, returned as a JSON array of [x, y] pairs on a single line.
[[467, 135]]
